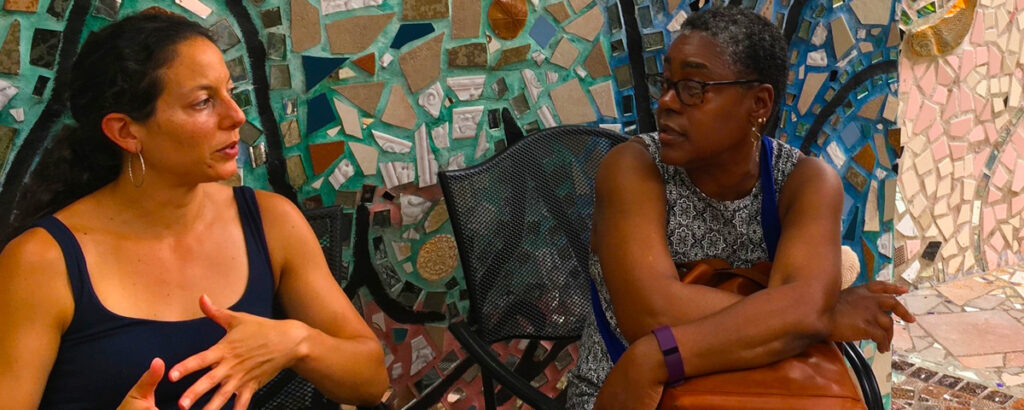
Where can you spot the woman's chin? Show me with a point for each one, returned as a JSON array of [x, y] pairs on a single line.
[[225, 173]]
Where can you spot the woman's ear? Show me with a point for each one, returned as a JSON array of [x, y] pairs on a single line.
[[764, 99], [121, 129]]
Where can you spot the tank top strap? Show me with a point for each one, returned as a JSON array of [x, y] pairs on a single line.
[[74, 259], [260, 270]]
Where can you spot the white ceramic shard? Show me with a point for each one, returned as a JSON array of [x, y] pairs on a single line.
[[468, 88], [391, 144], [18, 114], [425, 164], [7, 91], [546, 116], [331, 6], [465, 121], [440, 136], [195, 6], [532, 83], [341, 173], [458, 161], [397, 173], [481, 145], [413, 208], [430, 99]]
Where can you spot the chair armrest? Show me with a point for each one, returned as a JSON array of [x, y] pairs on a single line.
[[489, 363], [865, 375]]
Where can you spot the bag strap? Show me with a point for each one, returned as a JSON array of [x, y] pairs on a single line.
[[771, 227], [612, 343]]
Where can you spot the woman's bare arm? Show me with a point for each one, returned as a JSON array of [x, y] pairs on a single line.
[[35, 308]]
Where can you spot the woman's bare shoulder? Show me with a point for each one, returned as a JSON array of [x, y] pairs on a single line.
[[32, 267]]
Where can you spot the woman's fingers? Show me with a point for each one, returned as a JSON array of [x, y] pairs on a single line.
[[146, 386], [223, 317], [194, 363], [209, 380], [879, 286], [245, 395], [222, 396], [891, 304], [885, 324]]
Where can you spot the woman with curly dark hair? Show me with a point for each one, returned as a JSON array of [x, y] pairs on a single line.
[[693, 191], [99, 297]]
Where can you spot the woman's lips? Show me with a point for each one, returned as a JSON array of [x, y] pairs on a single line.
[[669, 136], [230, 151]]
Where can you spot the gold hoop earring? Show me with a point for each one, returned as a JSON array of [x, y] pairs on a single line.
[[131, 174]]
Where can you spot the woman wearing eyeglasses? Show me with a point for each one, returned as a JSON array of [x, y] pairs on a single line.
[[692, 191]]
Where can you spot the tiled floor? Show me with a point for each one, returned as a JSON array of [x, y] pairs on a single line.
[[966, 349]]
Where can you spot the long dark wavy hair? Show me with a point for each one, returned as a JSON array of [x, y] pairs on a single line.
[[118, 69]]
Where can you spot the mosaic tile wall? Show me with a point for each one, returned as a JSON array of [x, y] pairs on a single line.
[[959, 202], [364, 101]]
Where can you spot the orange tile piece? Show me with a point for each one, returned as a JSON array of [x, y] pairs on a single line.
[[866, 158], [21, 5], [367, 62], [323, 155]]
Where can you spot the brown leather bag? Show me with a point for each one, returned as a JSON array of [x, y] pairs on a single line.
[[815, 379]]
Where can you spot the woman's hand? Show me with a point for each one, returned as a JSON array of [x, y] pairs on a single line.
[[142, 396], [864, 312], [250, 354], [637, 380]]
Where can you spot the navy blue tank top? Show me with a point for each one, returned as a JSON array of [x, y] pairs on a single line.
[[102, 354]]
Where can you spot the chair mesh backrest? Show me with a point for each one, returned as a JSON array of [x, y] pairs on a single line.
[[522, 223]]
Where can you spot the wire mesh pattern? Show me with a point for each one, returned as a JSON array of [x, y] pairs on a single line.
[[333, 229], [522, 223]]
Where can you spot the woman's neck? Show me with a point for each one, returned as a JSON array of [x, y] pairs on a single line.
[[157, 206], [729, 176]]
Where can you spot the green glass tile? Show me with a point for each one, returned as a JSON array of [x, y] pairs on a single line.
[[927, 10], [820, 11], [905, 18], [805, 29], [801, 128], [858, 65], [861, 92]]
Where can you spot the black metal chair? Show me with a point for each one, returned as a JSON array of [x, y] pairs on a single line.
[[522, 222], [288, 390]]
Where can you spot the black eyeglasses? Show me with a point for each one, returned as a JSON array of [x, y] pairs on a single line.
[[689, 92]]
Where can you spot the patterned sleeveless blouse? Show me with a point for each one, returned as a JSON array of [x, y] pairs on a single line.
[[698, 228]]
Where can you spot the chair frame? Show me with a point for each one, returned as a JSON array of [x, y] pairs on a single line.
[[517, 381]]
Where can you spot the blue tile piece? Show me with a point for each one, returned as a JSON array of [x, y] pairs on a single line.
[[318, 68], [543, 31], [850, 236], [850, 134], [410, 32], [399, 334], [319, 113]]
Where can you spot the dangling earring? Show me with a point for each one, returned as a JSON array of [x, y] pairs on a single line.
[[755, 133], [131, 175]]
